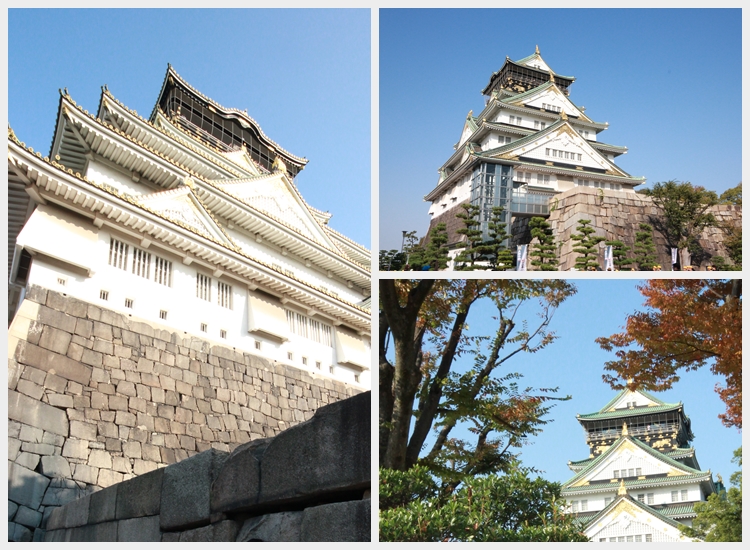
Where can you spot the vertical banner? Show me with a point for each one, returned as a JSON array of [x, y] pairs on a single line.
[[521, 259], [674, 258], [609, 264]]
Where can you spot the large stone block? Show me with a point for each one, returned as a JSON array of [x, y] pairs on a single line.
[[37, 414], [223, 531], [280, 527], [329, 453], [28, 517], [340, 521], [186, 490], [238, 483], [49, 361], [103, 505], [55, 466], [145, 529], [140, 496], [26, 487]]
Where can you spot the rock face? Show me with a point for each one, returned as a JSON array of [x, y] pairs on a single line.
[[96, 398], [320, 472]]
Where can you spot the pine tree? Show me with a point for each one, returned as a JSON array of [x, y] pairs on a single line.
[[644, 248], [619, 254], [542, 254], [465, 261], [587, 246], [436, 253], [500, 257]]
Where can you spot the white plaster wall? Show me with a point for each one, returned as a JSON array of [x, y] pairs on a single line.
[[185, 311], [102, 173]]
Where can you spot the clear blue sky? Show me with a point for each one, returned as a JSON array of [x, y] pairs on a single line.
[[303, 75], [667, 81], [574, 363]]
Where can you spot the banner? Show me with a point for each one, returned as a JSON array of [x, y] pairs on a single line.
[[609, 264], [521, 258], [674, 256]]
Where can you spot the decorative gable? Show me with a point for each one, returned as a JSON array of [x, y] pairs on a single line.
[[630, 399], [181, 206], [274, 195]]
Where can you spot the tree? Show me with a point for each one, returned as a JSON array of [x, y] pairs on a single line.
[[508, 508], [391, 260], [587, 246], [435, 254], [542, 253], [472, 253], [690, 323], [423, 387], [685, 208], [619, 255], [492, 252], [720, 518], [732, 195], [644, 249]]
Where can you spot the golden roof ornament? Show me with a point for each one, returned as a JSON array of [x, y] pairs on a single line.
[[625, 428], [621, 492], [551, 76], [537, 49], [563, 115], [278, 165]]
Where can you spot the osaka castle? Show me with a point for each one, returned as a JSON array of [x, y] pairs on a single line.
[[529, 143], [642, 478], [189, 220]]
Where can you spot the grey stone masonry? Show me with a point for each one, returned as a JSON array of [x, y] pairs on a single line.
[[616, 215], [96, 398], [216, 496]]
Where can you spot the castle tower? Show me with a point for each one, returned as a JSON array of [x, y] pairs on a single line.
[[641, 479], [529, 143]]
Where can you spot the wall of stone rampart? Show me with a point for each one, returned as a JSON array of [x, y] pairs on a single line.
[[96, 398], [310, 483]]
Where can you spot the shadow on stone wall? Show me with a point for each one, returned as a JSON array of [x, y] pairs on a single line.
[[309, 483]]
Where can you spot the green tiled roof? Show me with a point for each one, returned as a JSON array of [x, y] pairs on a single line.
[[624, 413], [693, 473]]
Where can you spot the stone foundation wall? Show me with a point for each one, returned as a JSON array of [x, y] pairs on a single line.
[[96, 398], [616, 215], [310, 483]]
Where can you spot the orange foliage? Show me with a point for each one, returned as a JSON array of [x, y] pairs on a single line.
[[691, 323]]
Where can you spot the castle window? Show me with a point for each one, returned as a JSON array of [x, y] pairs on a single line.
[[683, 494], [203, 287], [129, 302], [141, 263], [204, 327], [311, 329], [536, 125], [542, 125], [104, 295], [222, 333], [356, 378], [637, 538], [675, 496], [330, 369], [616, 474], [118, 254], [257, 345], [162, 271], [631, 472], [512, 120], [163, 314], [62, 281], [304, 361], [225, 295], [638, 472], [317, 365], [607, 500], [650, 498], [584, 505], [574, 506], [641, 498], [649, 537]]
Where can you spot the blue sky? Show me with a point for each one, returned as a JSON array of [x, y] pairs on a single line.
[[574, 363], [303, 75], [667, 81]]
